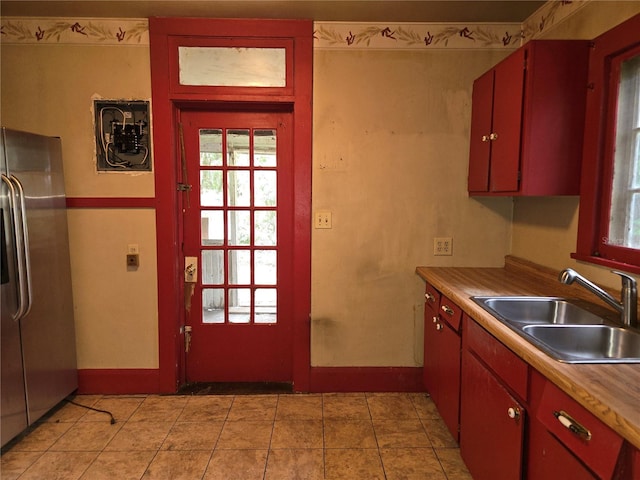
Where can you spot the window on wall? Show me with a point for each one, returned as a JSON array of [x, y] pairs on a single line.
[[624, 211], [609, 225]]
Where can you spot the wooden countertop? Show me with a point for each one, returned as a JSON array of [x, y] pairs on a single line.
[[610, 391]]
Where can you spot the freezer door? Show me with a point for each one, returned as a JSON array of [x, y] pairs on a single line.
[[12, 407], [47, 330]]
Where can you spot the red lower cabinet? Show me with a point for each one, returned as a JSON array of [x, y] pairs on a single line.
[[442, 346], [511, 421], [491, 424], [449, 382], [548, 458]]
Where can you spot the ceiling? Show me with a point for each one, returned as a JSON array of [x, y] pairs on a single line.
[[318, 10]]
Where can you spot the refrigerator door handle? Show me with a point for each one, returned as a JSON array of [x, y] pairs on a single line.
[[26, 266], [19, 221]]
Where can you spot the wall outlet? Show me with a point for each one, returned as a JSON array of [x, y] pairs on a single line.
[[133, 260], [443, 246], [322, 220]]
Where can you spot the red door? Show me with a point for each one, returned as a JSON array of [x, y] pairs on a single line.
[[238, 224]]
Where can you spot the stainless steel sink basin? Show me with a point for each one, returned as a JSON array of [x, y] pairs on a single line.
[[568, 330], [587, 343], [543, 310]]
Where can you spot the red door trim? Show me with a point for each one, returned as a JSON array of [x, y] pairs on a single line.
[[165, 105]]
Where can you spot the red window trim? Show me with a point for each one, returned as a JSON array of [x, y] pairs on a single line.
[[598, 147], [166, 105]]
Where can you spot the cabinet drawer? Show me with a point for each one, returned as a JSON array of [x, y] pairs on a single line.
[[597, 445], [450, 313], [431, 298], [506, 364]]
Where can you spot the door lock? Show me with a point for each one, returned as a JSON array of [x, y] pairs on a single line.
[[187, 338], [190, 269]]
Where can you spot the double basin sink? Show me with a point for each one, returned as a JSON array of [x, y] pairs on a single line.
[[568, 330]]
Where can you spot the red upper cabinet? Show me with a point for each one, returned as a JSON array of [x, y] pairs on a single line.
[[527, 121]]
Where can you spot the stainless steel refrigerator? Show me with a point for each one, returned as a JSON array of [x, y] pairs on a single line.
[[38, 336]]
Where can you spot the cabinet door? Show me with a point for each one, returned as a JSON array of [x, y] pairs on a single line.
[[491, 441], [548, 458], [431, 355], [480, 145], [430, 369], [449, 387], [507, 123]]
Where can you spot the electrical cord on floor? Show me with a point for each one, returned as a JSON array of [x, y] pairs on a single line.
[[113, 420]]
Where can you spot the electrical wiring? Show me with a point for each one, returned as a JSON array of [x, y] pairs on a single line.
[[112, 421], [121, 136]]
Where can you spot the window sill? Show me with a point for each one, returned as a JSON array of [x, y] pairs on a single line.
[[625, 267]]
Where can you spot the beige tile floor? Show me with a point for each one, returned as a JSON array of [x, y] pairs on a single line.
[[275, 437]]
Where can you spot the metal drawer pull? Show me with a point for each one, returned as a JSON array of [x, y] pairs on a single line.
[[430, 297], [447, 309], [514, 413], [565, 419]]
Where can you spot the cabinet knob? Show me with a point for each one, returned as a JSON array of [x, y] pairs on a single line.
[[447, 309], [493, 136], [485, 138], [429, 297], [434, 319], [513, 413], [438, 326]]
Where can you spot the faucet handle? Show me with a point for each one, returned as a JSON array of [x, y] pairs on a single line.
[[627, 279]]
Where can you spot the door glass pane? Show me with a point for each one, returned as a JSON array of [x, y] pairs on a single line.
[[212, 267], [211, 188], [265, 271], [238, 196], [211, 148], [264, 145], [213, 305], [239, 267], [239, 189], [239, 223], [239, 305], [266, 300], [238, 148], [265, 188], [212, 227], [264, 231]]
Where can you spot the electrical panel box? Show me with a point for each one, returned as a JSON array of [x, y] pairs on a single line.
[[123, 140]]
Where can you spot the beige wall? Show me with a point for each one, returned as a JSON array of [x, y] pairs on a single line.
[[545, 229], [390, 156], [49, 89], [390, 162]]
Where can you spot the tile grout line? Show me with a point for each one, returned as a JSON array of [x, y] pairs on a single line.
[[273, 427], [426, 431], [324, 442], [375, 434], [215, 445]]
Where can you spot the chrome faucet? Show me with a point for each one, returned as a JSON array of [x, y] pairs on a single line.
[[627, 307]]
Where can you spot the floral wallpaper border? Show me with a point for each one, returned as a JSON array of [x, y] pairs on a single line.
[[327, 35], [84, 31]]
